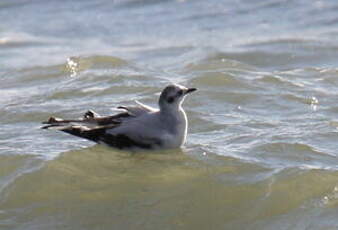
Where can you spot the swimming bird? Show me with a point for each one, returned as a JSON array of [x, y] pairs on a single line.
[[137, 127]]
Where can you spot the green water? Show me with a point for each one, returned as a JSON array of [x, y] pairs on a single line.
[[261, 151]]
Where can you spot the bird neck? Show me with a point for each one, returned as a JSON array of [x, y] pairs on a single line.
[[177, 117], [172, 109]]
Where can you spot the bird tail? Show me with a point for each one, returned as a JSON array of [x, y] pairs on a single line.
[[82, 130], [90, 134]]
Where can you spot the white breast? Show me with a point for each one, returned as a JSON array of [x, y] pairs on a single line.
[[177, 137]]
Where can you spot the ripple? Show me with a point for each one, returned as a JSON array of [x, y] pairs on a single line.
[[218, 61], [280, 82], [294, 154], [219, 79], [15, 166], [78, 64]]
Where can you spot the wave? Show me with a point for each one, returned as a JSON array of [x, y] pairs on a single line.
[[13, 167]]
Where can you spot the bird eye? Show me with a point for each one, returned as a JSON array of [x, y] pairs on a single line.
[[179, 93], [170, 100]]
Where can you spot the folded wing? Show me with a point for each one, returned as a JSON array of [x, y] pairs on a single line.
[[98, 128]]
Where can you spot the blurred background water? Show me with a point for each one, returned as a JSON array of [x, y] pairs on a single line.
[[262, 146]]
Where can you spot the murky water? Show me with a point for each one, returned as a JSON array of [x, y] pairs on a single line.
[[262, 146]]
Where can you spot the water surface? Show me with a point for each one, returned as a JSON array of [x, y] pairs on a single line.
[[261, 151]]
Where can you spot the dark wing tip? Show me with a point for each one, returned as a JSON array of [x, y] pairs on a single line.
[[46, 126]]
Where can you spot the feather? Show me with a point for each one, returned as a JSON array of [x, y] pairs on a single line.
[[138, 126]]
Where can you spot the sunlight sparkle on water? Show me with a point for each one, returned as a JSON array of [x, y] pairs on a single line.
[[73, 66], [314, 103]]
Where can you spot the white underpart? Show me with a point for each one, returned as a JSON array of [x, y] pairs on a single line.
[[149, 124]]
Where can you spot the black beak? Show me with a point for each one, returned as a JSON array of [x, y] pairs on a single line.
[[190, 90]]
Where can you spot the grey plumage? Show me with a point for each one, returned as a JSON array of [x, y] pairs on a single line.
[[139, 126]]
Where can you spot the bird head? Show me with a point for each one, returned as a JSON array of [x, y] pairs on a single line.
[[173, 96]]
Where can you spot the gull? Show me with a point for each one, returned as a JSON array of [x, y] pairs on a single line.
[[137, 127]]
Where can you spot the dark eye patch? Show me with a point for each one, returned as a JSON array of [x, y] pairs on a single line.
[[170, 99], [179, 93]]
